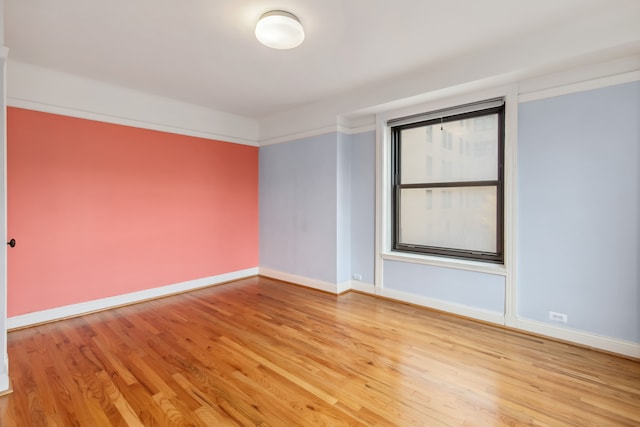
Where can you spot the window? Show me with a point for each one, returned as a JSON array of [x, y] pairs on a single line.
[[449, 202]]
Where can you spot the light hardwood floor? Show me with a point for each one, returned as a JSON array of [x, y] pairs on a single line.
[[261, 352]]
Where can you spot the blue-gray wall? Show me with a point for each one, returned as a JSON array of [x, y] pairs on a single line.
[[578, 210], [578, 215], [298, 207], [317, 207], [464, 288], [363, 207], [344, 192]]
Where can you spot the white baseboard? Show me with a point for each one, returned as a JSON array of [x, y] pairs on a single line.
[[120, 300], [320, 285], [588, 339], [459, 309], [367, 288], [4, 376], [4, 383], [343, 287], [627, 348], [613, 345]]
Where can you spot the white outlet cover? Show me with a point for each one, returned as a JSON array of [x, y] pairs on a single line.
[[558, 317]]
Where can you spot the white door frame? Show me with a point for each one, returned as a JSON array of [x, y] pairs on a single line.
[[4, 359]]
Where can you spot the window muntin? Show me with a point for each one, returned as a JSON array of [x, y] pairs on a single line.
[[448, 185]]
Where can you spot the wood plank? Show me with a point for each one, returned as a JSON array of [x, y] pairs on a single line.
[[261, 352]]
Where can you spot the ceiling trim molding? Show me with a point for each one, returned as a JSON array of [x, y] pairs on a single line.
[[123, 121], [344, 128], [299, 135], [582, 86], [51, 91], [353, 116], [356, 130]]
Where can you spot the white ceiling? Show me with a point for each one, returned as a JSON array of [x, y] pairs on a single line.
[[204, 51]]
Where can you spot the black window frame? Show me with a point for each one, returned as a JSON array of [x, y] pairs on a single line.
[[396, 187]]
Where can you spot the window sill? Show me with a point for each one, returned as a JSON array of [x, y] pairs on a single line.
[[458, 264]]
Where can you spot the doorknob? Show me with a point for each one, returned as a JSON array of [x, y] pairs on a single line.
[[12, 243]]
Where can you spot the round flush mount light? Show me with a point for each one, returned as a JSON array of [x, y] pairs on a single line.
[[279, 30]]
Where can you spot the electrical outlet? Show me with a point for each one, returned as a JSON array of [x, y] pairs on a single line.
[[357, 277], [558, 317]]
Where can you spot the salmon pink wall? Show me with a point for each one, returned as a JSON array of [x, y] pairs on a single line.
[[100, 210]]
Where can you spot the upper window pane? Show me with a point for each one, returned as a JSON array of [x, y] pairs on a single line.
[[454, 151]]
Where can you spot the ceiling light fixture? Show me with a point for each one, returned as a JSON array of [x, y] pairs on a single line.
[[279, 30]]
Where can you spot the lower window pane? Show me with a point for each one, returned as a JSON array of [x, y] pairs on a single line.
[[458, 218]]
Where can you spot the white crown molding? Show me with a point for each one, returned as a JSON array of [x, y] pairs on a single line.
[[78, 309], [347, 130], [354, 112], [299, 135], [582, 86], [356, 130], [64, 111], [587, 72], [475, 72], [41, 89], [356, 123], [317, 132]]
